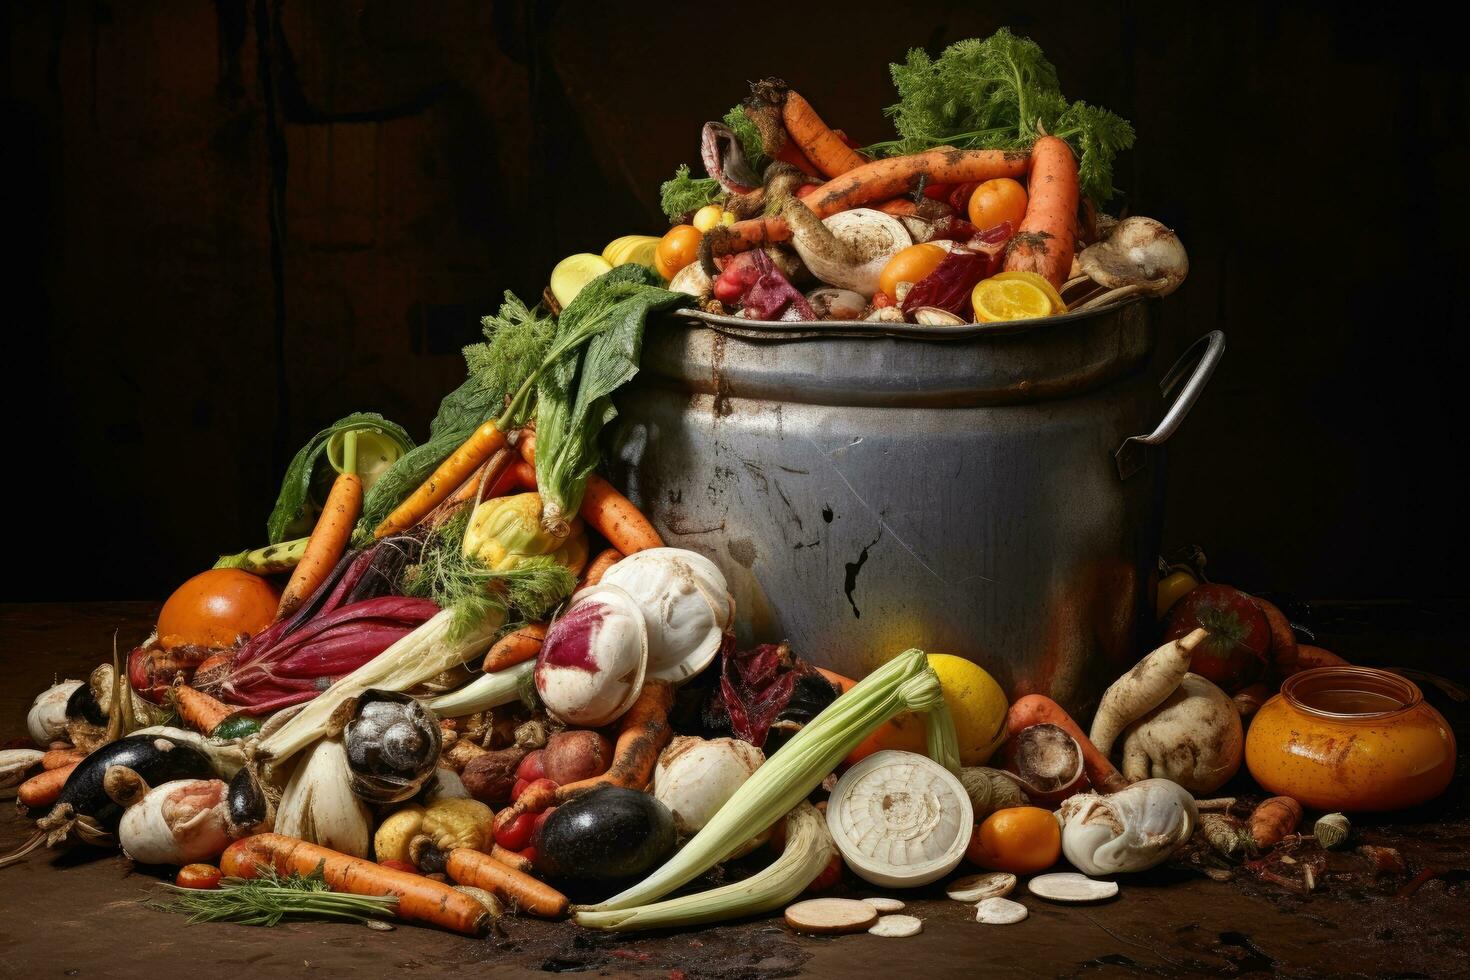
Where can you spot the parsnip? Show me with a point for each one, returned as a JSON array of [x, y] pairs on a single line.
[[1142, 689]]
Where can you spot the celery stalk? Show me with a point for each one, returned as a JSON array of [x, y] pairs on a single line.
[[483, 693], [906, 683], [809, 848]]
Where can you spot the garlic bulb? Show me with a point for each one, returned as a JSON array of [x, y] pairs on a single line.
[[177, 823], [318, 804], [686, 606], [47, 718], [1133, 829], [695, 777], [900, 819], [593, 662]]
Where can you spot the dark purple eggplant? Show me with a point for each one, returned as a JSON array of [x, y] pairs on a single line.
[[607, 835]]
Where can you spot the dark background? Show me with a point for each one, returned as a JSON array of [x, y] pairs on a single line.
[[229, 224]]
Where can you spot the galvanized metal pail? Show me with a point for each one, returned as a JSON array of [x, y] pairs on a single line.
[[983, 490]]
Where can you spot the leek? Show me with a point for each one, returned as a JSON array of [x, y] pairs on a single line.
[[906, 683], [484, 692], [420, 656], [809, 848]]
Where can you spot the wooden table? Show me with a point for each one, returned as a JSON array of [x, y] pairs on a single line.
[[82, 912]]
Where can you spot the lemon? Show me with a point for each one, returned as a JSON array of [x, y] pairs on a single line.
[[574, 272], [976, 704], [1040, 282], [631, 248], [996, 300]]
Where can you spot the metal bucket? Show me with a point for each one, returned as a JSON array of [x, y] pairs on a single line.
[[982, 491]]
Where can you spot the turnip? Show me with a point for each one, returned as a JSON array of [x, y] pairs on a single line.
[[1142, 689], [695, 777], [575, 755]]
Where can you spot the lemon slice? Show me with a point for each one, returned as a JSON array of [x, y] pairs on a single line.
[[631, 248], [996, 300], [574, 272], [1040, 282]]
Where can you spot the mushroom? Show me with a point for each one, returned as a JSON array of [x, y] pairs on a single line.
[[1140, 256]]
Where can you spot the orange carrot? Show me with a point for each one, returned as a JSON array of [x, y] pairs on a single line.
[[512, 859], [791, 153], [516, 647], [608, 512], [817, 141], [606, 558], [198, 710], [56, 758], [1037, 709], [520, 890], [1284, 653], [445, 480], [43, 788], [485, 475], [420, 899], [1043, 244], [327, 543], [642, 734], [535, 798], [1273, 820]]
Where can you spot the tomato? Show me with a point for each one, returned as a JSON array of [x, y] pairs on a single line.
[[1019, 839], [910, 265], [676, 250], [828, 877], [994, 201], [712, 216], [216, 608], [198, 876]]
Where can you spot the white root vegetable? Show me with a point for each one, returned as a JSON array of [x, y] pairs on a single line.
[[1193, 738], [1131, 830], [318, 804], [1067, 886], [686, 606], [1142, 689], [849, 249], [695, 777], [830, 916], [179, 822], [15, 764], [591, 666], [977, 888], [1140, 255], [897, 927], [46, 721], [884, 905], [1000, 912]]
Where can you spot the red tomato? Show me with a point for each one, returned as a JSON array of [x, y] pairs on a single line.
[[198, 876]]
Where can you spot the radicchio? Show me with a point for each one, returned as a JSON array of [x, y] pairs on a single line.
[[764, 693], [949, 286]]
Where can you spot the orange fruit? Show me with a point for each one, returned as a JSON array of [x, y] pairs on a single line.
[[1020, 839], [910, 265], [678, 247], [216, 608], [994, 201]]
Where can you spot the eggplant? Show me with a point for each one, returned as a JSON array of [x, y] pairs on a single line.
[[607, 835]]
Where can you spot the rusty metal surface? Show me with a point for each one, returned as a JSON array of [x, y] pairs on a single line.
[[865, 495]]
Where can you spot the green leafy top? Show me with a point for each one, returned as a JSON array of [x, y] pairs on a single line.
[[270, 898], [999, 93], [574, 394], [291, 503], [684, 194], [749, 137]]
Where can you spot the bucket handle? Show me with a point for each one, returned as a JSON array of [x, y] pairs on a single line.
[[1204, 354]]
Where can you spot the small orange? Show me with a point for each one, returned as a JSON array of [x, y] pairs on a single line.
[[678, 247], [216, 608], [1019, 839], [909, 265], [994, 201]]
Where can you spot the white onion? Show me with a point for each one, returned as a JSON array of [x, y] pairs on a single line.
[[695, 777], [594, 659], [46, 720], [1133, 829]]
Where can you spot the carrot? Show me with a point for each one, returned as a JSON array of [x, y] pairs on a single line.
[[486, 475], [1284, 653], [843, 684], [1273, 820], [198, 710], [1043, 244], [43, 788], [445, 480], [606, 558], [515, 647], [1308, 657], [791, 153], [512, 859], [533, 799], [519, 475], [420, 899], [506, 883], [608, 512], [1037, 709], [56, 758], [817, 141], [327, 543], [642, 734], [214, 669]]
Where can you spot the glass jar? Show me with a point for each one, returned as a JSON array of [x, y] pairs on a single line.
[[1351, 738]]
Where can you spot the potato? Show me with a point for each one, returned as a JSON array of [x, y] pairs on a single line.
[[576, 755], [490, 776]]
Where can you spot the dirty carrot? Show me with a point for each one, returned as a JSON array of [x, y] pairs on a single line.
[[420, 899], [511, 859], [328, 541], [515, 647], [1037, 709], [1043, 243], [818, 142], [1284, 653], [1273, 820], [480, 870], [606, 558], [475, 450], [56, 758], [198, 710], [43, 788], [608, 512], [642, 734]]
